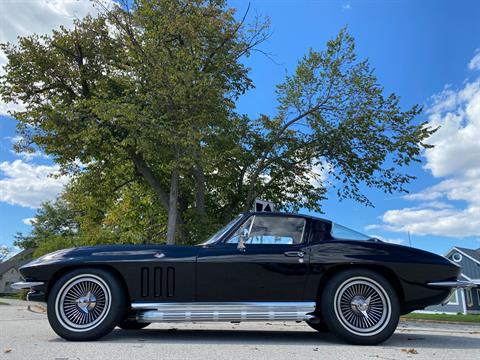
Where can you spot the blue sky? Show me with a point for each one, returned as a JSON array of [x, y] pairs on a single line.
[[425, 51]]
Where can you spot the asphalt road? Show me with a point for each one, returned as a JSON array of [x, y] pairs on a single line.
[[27, 335]]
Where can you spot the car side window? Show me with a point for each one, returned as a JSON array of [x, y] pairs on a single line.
[[271, 230], [320, 231], [235, 238]]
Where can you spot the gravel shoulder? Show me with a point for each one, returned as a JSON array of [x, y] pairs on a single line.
[[25, 334]]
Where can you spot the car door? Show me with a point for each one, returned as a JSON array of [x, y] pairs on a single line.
[[273, 266]]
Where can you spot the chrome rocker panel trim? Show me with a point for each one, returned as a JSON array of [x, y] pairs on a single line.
[[25, 284], [459, 284], [223, 311]]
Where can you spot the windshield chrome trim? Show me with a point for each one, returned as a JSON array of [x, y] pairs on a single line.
[[221, 237], [250, 227]]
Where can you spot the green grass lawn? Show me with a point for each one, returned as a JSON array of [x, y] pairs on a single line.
[[443, 317], [9, 296], [21, 295], [3, 303]]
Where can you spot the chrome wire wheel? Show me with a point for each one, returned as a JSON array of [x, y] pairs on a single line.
[[363, 306], [83, 302]]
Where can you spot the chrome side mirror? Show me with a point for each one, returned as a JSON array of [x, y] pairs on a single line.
[[241, 242]]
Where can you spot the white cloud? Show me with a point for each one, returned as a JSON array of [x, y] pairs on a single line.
[[26, 17], [474, 64], [14, 139], [452, 206], [29, 221], [446, 222], [320, 174], [457, 145], [29, 185], [26, 155], [347, 7]]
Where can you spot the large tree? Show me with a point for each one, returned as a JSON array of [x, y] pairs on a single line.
[[142, 84], [139, 104]]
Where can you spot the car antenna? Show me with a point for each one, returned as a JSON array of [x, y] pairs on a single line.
[[409, 239]]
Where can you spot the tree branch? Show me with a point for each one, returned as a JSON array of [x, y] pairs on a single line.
[[146, 172]]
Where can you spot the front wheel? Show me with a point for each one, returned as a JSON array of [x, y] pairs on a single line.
[[360, 306], [85, 304]]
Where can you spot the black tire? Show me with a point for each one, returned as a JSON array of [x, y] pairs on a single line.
[[319, 326], [86, 304], [128, 324], [351, 294]]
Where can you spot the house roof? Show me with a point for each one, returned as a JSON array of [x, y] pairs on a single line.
[[16, 261], [475, 254]]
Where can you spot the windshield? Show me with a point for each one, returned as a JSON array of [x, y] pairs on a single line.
[[215, 237], [342, 232]]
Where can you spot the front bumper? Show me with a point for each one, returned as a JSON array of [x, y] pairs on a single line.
[[37, 290], [26, 284]]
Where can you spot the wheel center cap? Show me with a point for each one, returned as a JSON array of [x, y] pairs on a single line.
[[359, 304], [87, 303]]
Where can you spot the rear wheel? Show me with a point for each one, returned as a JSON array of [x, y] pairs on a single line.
[[360, 306], [85, 304]]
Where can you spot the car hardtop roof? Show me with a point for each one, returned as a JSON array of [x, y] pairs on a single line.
[[281, 214]]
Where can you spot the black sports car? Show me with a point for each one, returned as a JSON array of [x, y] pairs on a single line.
[[259, 267]]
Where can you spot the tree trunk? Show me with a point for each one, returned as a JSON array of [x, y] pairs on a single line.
[[172, 208], [200, 194], [250, 198], [144, 170], [166, 200]]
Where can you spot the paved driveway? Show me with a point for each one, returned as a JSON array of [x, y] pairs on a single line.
[[27, 335]]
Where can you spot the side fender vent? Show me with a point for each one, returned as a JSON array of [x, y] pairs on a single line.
[[145, 281], [160, 284], [157, 282], [170, 281]]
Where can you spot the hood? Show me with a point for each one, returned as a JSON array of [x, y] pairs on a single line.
[[113, 253]]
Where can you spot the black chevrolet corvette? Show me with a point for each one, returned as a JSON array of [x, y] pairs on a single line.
[[259, 267]]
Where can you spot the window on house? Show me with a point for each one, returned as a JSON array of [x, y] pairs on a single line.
[[453, 300], [468, 293], [478, 296], [457, 257]]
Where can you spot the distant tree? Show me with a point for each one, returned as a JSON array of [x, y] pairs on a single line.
[[5, 252], [54, 227], [139, 106]]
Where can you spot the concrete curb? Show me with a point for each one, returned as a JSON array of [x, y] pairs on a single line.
[[439, 321]]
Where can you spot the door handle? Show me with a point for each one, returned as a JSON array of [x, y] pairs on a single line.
[[299, 254]]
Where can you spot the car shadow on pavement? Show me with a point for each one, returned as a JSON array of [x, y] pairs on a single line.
[[266, 337]]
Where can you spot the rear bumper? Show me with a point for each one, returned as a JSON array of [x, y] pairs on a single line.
[[452, 285], [456, 284]]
